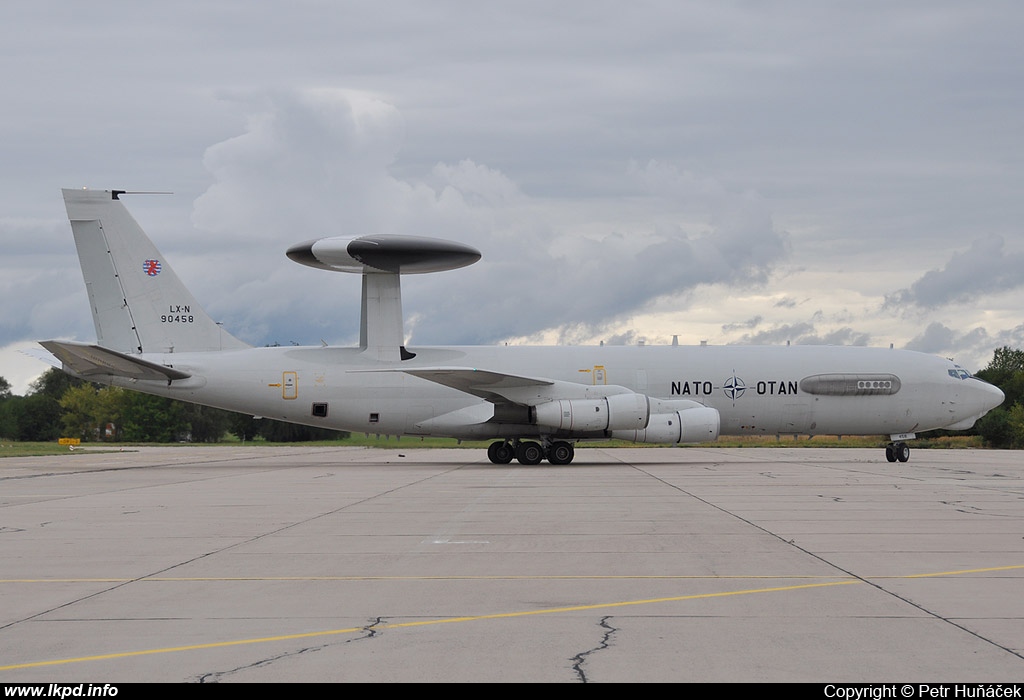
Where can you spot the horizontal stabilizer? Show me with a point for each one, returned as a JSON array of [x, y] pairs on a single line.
[[42, 356], [92, 360]]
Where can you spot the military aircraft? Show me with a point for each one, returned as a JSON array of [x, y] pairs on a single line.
[[536, 403]]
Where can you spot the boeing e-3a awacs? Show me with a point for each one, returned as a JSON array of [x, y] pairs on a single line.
[[535, 402]]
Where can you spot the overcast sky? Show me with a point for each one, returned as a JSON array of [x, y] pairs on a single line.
[[736, 172]]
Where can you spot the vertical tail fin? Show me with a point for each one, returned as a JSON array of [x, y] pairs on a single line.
[[138, 303]]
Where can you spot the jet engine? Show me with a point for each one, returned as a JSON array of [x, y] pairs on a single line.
[[676, 422], [628, 412]]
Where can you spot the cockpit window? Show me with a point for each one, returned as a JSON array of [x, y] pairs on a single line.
[[959, 373]]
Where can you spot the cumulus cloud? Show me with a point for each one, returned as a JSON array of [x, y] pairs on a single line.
[[613, 172], [973, 349], [625, 338], [310, 160], [44, 296], [938, 338], [543, 272], [318, 163], [984, 268], [1013, 337], [805, 333], [749, 323]]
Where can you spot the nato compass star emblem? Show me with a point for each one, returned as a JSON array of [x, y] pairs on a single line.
[[734, 387]]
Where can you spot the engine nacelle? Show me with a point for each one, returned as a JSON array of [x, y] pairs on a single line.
[[697, 424], [629, 412]]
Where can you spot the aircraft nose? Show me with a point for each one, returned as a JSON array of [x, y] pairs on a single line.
[[974, 399], [986, 395], [996, 396]]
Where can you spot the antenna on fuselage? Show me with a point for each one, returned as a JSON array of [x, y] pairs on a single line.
[[382, 260], [116, 194]]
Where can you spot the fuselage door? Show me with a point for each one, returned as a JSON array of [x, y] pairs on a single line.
[[289, 385]]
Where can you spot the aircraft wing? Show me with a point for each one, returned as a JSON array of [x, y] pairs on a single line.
[[496, 387], [92, 360], [503, 388]]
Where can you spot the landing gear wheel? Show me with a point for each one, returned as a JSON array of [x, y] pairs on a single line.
[[902, 451], [500, 452], [529, 453], [561, 453], [897, 451]]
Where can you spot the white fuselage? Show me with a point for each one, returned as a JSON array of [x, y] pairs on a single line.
[[757, 390]]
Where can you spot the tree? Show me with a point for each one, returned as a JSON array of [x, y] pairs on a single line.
[[87, 410], [8, 419], [10, 409], [279, 431], [995, 428], [53, 382], [207, 424], [1015, 418], [243, 426], [1006, 371], [38, 418], [1004, 425], [1006, 360], [79, 409], [147, 418]]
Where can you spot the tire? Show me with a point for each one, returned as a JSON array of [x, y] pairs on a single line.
[[890, 453], [529, 453], [903, 452], [561, 453], [500, 452]]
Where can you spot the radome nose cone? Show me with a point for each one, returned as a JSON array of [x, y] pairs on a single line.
[[994, 396]]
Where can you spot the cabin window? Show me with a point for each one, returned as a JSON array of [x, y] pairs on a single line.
[[375, 418], [319, 410]]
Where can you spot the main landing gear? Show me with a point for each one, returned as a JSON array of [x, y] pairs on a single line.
[[529, 453], [897, 451]]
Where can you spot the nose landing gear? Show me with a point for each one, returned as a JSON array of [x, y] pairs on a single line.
[[897, 451]]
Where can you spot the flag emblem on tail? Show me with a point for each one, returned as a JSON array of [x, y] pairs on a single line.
[[151, 267]]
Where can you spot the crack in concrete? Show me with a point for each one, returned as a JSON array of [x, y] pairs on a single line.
[[216, 676], [581, 658]]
